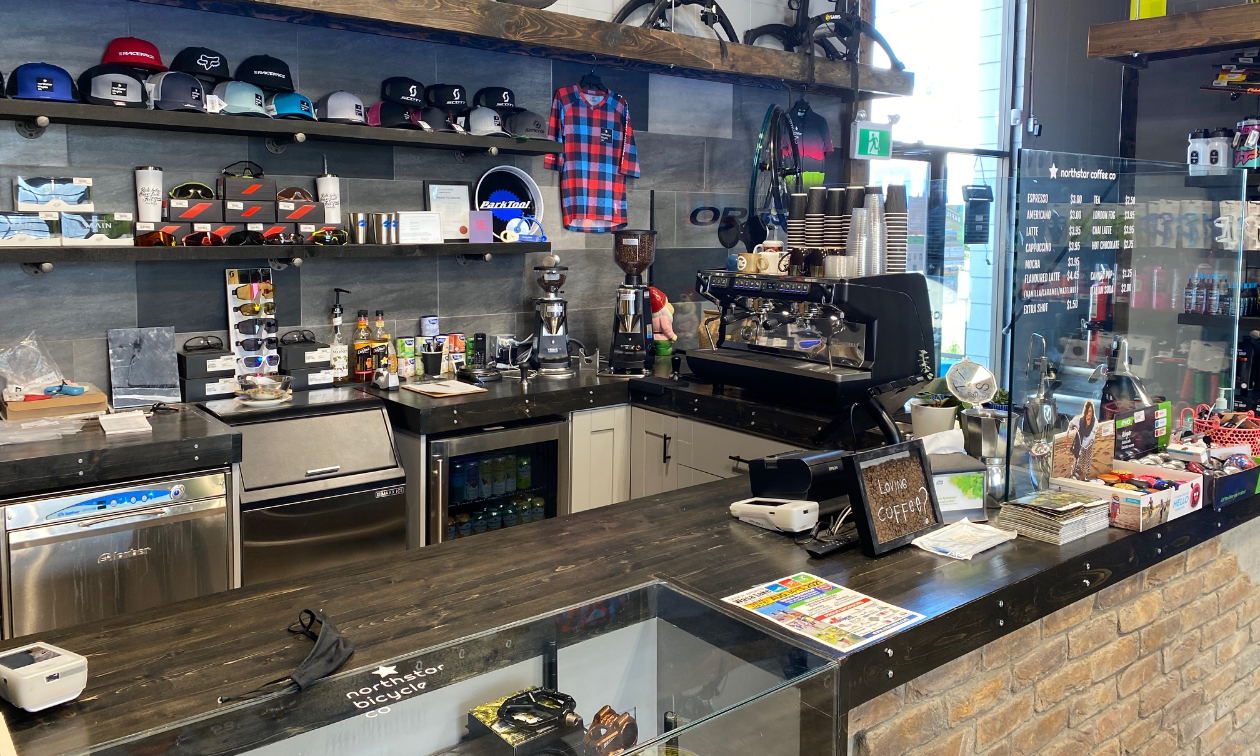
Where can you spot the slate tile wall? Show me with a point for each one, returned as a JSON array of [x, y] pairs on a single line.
[[695, 140]]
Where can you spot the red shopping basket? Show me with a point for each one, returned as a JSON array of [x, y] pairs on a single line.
[[1223, 436]]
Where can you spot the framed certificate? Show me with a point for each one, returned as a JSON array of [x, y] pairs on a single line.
[[452, 200]]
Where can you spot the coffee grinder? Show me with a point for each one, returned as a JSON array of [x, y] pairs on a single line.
[[551, 328], [632, 353]]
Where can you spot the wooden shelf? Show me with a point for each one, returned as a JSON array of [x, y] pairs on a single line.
[[511, 28], [95, 254], [1178, 35], [279, 129]]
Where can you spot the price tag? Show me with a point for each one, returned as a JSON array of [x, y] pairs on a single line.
[[222, 363], [319, 355], [222, 386], [321, 378]]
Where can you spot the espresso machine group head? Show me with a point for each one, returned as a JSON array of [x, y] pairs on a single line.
[[551, 327], [632, 353]]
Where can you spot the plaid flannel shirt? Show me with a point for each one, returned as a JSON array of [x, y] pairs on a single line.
[[597, 154]]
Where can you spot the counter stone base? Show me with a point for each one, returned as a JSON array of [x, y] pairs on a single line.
[[1166, 661]]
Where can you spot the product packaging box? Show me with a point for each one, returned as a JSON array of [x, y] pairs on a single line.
[[209, 363], [295, 212], [98, 229], [193, 210], [305, 379], [305, 356], [238, 188], [1134, 510], [91, 400], [38, 193], [30, 229], [206, 389], [959, 483], [249, 211], [174, 228]]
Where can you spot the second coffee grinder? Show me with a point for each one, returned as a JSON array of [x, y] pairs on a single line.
[[551, 328], [632, 353]]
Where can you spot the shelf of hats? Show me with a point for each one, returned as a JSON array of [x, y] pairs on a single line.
[[54, 219]]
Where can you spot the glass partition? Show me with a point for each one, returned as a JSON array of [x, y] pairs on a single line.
[[651, 670], [1126, 290]]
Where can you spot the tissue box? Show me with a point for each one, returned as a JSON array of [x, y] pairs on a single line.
[[959, 483]]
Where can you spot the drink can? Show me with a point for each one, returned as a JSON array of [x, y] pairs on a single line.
[[509, 473], [487, 476], [429, 325], [499, 475], [538, 508], [472, 479]]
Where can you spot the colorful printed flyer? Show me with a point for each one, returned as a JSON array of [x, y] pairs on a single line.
[[825, 612]]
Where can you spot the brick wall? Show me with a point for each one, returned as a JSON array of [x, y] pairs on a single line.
[[1165, 662]]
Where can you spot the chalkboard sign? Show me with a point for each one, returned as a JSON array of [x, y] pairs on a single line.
[[892, 495]]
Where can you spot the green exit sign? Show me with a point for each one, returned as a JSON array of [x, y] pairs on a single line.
[[871, 141]]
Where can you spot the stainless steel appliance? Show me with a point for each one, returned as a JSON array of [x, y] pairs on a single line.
[[319, 483], [631, 353], [551, 324], [95, 553], [469, 482]]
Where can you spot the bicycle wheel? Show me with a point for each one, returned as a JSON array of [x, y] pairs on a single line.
[[776, 161]]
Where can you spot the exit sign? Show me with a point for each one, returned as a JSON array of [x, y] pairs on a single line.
[[871, 141]]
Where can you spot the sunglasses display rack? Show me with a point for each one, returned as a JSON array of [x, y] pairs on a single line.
[[251, 303]]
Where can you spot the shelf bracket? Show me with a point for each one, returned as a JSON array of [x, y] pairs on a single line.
[[465, 259], [277, 144], [37, 269], [280, 263], [33, 128]]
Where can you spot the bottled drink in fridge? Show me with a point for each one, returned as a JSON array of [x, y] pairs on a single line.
[[457, 481], [524, 472], [509, 473], [487, 476], [499, 475], [472, 479]]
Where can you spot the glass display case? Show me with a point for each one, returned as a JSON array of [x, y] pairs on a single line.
[[1128, 279], [648, 671]]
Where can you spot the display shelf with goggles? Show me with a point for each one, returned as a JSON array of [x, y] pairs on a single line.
[[269, 251], [32, 116]]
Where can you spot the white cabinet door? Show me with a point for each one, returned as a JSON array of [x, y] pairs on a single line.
[[653, 469], [599, 457], [710, 449]]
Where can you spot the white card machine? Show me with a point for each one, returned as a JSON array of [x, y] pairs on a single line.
[[37, 676], [782, 515]]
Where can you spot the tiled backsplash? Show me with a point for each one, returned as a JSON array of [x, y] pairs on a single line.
[[695, 141]]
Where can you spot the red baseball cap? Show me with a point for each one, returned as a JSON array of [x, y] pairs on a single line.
[[134, 52]]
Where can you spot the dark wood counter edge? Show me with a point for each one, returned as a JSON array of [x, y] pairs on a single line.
[[180, 443], [162, 666]]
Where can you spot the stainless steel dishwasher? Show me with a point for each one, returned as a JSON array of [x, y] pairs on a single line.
[[96, 553]]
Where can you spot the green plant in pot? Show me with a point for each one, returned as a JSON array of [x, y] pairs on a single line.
[[1001, 400], [934, 409]]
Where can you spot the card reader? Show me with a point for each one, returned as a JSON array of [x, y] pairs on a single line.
[[39, 675], [781, 515]]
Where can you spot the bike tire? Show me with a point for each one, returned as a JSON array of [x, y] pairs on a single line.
[[630, 7], [660, 6], [781, 32]]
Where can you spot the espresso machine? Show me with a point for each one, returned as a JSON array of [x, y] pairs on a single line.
[[632, 353], [551, 327]]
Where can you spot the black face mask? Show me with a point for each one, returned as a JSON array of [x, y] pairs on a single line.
[[331, 650]]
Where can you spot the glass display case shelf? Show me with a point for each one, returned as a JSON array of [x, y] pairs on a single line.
[[650, 670]]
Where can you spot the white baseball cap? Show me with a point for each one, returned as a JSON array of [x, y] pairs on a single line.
[[341, 107], [484, 122]]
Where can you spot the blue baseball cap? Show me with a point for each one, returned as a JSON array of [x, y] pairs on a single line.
[[290, 105], [241, 98], [41, 81]]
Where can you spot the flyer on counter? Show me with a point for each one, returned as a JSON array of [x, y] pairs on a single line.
[[828, 613]]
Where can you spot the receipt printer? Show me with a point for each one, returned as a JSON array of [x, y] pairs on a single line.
[[808, 475], [39, 675]]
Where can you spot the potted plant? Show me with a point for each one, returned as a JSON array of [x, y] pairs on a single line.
[[932, 412], [1001, 401]]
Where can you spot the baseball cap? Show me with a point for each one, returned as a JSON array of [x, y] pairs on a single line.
[[173, 90], [204, 63], [437, 120], [113, 85], [447, 96], [241, 98], [133, 52], [403, 90], [501, 99], [393, 115], [41, 81], [290, 105], [484, 122], [265, 72], [340, 107], [527, 124]]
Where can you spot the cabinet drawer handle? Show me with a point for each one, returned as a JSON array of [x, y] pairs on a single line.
[[323, 471], [665, 450]]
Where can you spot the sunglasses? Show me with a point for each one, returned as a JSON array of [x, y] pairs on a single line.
[[156, 239], [294, 194], [203, 343], [255, 326], [246, 239], [251, 291], [293, 239], [253, 345], [203, 239], [330, 237], [257, 361], [192, 190], [250, 170], [253, 308], [298, 337]]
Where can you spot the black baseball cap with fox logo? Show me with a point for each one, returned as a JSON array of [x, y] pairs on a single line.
[[202, 62]]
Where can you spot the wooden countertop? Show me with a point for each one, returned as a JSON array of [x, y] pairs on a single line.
[[161, 666]]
